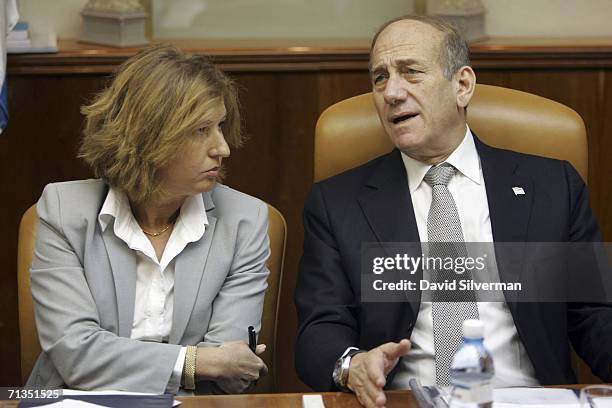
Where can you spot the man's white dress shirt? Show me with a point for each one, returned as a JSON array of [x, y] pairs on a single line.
[[154, 300], [512, 365]]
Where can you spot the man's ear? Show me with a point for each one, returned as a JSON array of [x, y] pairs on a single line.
[[465, 81]]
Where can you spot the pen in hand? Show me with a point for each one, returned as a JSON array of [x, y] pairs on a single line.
[[252, 339], [253, 347]]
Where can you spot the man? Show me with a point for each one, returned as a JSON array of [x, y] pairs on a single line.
[[422, 84]]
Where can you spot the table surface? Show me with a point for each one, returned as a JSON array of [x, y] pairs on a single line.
[[397, 399], [402, 399]]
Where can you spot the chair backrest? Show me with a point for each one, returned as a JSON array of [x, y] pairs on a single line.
[[28, 335], [349, 133], [277, 231], [30, 346]]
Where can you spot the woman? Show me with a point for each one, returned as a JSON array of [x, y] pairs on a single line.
[[134, 269]]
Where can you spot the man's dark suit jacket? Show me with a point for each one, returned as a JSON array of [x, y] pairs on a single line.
[[372, 203]]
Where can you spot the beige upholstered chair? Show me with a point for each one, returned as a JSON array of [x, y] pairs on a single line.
[[30, 347], [501, 117]]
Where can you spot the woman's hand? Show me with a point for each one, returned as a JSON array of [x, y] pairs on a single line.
[[233, 366]]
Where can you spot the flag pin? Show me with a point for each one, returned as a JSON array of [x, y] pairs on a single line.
[[518, 191]]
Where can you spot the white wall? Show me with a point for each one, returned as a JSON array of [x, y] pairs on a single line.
[[60, 16], [327, 18], [274, 18], [549, 18]]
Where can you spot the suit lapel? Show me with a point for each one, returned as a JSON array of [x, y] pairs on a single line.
[[386, 203], [188, 272], [509, 212], [123, 265], [387, 206]]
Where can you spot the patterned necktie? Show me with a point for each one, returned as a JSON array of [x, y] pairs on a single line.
[[449, 308]]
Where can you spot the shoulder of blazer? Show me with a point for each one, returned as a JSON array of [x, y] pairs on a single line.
[[534, 165], [344, 188], [359, 173], [227, 201], [73, 201]]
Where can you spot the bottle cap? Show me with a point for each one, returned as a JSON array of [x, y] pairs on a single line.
[[473, 329]]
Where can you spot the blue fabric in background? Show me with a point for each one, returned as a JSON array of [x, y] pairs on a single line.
[[3, 107], [9, 17]]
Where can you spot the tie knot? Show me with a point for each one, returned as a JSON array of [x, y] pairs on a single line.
[[440, 175]]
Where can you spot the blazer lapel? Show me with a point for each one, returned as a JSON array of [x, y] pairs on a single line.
[[387, 206], [386, 203], [123, 265], [509, 211], [188, 272]]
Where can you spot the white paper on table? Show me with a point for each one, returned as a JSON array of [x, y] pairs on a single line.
[[312, 401], [110, 392], [70, 403], [600, 402], [534, 398]]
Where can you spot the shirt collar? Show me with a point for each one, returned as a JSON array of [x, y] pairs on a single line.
[[464, 158], [116, 207], [193, 218]]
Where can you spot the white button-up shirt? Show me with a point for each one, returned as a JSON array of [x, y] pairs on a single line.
[[512, 364], [154, 301]]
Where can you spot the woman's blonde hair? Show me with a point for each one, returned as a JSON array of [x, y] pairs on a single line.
[[156, 101]]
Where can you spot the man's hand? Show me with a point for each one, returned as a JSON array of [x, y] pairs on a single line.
[[368, 372], [233, 366]]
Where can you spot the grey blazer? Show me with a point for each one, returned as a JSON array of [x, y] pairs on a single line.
[[83, 284]]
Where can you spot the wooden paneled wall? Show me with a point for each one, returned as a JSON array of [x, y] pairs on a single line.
[[283, 90]]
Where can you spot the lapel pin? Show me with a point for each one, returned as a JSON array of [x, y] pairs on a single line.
[[518, 191]]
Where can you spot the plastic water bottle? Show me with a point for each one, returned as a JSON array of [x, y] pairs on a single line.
[[472, 370]]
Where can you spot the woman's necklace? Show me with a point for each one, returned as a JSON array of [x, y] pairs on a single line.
[[158, 233], [166, 228]]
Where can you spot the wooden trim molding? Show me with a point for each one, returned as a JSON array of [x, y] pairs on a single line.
[[538, 52], [320, 55]]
